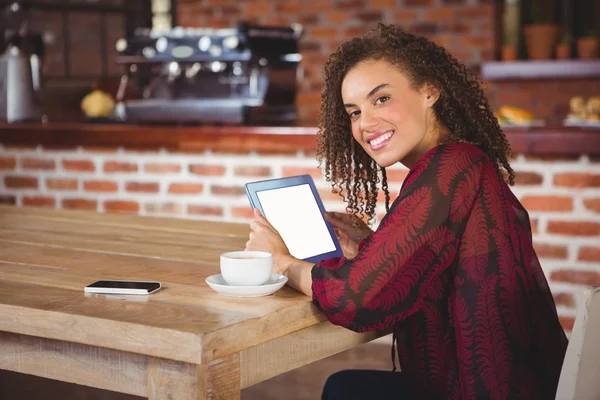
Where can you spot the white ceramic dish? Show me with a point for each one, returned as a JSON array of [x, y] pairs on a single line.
[[218, 284]]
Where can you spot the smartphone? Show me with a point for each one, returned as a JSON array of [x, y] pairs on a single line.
[[123, 287]]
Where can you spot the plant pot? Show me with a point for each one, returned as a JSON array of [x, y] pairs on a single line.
[[563, 51], [587, 48], [509, 53], [540, 41]]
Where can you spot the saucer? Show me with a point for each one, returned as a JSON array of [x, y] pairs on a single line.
[[218, 284]]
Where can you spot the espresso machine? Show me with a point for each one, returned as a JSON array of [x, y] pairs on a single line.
[[243, 75], [20, 69]]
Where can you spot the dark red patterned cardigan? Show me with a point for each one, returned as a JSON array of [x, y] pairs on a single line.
[[452, 270]]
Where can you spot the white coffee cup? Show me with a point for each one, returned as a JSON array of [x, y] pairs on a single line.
[[246, 268]]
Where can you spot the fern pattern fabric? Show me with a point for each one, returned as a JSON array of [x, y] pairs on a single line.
[[452, 271]]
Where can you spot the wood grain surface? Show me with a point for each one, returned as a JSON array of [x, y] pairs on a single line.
[[185, 341]]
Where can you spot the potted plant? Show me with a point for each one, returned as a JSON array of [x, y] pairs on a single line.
[[541, 35], [587, 46], [563, 49]]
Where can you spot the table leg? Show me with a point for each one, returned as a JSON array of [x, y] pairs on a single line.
[[219, 379]]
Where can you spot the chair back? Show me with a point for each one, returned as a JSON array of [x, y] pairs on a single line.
[[580, 373]]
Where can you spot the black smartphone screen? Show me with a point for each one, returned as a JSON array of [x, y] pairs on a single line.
[[149, 286]]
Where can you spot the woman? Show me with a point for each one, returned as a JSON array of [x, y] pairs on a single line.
[[451, 268]]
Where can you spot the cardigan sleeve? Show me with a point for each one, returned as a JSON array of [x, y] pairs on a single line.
[[414, 244]]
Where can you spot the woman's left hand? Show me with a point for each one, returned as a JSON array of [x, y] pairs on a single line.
[[263, 237]]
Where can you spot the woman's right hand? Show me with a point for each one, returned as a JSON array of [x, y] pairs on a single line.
[[347, 233]]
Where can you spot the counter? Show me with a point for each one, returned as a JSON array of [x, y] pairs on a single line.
[[539, 141]]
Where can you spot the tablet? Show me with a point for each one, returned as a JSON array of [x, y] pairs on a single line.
[[293, 206]]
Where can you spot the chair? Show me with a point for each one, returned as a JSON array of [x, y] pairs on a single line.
[[580, 374]]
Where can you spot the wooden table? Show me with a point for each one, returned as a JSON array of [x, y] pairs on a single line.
[[184, 342]]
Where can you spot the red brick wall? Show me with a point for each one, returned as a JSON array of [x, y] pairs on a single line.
[[466, 28]]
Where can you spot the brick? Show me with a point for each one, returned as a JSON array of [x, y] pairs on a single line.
[[121, 206], [38, 163], [308, 98], [547, 203], [227, 190], [100, 186], [79, 165], [8, 199], [369, 16], [158, 168], [117, 166], [208, 170], [315, 173], [592, 204], [574, 228], [528, 178], [425, 28], [358, 4], [395, 175], [328, 195], [477, 41], [419, 3], [164, 208], [7, 163], [588, 253], [257, 9], [486, 11], [289, 6], [308, 46], [405, 16], [62, 184], [20, 182], [577, 180], [256, 171], [534, 225], [566, 322], [440, 14], [39, 201], [382, 4], [310, 19], [242, 212], [186, 188], [318, 5], [544, 250], [457, 27], [230, 9], [205, 210], [564, 299], [322, 32], [80, 204], [143, 187], [442, 40], [579, 277]]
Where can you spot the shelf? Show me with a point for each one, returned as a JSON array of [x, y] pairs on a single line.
[[550, 69], [536, 141]]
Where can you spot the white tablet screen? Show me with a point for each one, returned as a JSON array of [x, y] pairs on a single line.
[[294, 212]]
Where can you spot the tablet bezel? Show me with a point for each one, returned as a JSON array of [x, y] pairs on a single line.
[[253, 187]]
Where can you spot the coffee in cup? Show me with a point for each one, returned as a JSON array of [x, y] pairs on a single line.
[[246, 268]]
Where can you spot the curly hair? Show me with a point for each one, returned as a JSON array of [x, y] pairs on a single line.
[[462, 108]]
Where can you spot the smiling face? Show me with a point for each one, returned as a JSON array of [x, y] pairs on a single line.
[[390, 119]]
